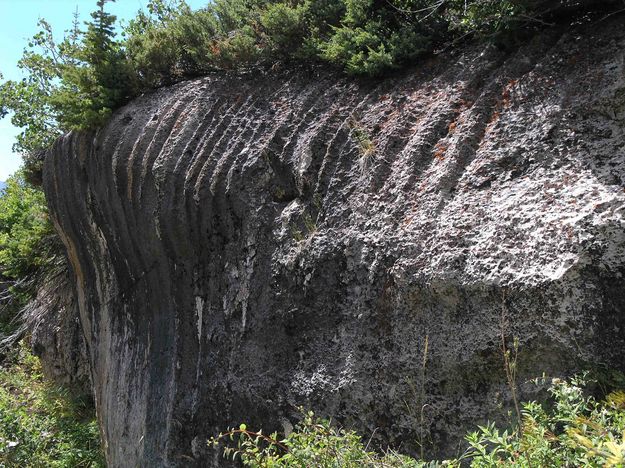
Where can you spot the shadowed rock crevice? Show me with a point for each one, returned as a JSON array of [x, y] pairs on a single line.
[[243, 245]]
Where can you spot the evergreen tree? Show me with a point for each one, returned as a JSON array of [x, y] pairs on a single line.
[[101, 81], [100, 36]]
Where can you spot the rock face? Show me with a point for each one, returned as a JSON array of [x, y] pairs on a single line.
[[56, 335], [244, 244]]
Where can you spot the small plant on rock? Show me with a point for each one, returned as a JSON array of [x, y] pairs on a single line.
[[366, 146], [314, 443]]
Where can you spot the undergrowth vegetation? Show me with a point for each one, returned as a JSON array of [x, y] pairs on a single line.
[[572, 429], [29, 249], [24, 225], [41, 425]]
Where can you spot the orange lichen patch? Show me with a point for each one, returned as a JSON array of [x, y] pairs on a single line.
[[408, 219], [389, 119], [463, 105], [573, 59], [439, 151], [503, 102], [506, 95], [452, 127], [179, 123], [494, 118]]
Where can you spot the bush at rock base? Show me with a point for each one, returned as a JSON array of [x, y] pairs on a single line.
[[572, 429]]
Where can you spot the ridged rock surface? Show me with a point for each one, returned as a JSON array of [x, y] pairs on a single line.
[[245, 244]]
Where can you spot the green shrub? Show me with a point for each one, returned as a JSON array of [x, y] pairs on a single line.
[[285, 25], [169, 42], [314, 443], [572, 429], [40, 425], [24, 225], [28, 246], [238, 49], [576, 430], [487, 15]]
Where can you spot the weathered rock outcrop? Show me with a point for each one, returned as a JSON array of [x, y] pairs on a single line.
[[246, 244], [56, 335]]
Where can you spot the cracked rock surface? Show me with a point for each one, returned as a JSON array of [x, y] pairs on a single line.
[[56, 337], [246, 244]]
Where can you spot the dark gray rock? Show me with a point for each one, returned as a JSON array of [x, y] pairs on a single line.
[[56, 335], [245, 244]]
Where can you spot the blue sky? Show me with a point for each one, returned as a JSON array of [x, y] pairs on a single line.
[[18, 22]]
